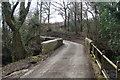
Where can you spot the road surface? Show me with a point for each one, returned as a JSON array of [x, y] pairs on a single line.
[[69, 61]]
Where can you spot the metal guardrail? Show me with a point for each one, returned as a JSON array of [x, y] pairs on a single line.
[[102, 61]]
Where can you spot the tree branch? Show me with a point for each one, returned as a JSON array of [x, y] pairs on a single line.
[[23, 12], [13, 10], [7, 12]]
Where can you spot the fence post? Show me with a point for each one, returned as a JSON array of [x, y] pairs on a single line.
[[102, 61], [118, 70], [90, 48], [93, 50], [96, 54], [88, 44]]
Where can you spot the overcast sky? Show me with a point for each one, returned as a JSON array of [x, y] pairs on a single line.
[[54, 14]]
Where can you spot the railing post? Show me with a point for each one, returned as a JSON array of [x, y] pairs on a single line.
[[93, 50], [118, 70], [96, 54], [88, 44], [90, 48], [102, 61]]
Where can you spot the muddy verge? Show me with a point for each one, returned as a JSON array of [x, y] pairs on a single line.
[[17, 69]]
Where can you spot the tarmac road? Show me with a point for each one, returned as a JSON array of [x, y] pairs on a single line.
[[69, 61]]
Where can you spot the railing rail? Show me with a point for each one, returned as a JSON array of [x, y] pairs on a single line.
[[102, 61]]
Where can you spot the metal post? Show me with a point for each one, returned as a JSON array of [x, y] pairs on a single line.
[[90, 48], [118, 70], [96, 54], [93, 50], [102, 61]]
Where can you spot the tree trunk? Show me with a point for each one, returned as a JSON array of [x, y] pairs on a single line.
[[88, 26], [19, 51], [49, 5], [81, 18], [68, 22], [41, 11], [65, 19], [95, 21], [75, 17]]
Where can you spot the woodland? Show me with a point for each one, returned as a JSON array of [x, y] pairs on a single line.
[[21, 27]]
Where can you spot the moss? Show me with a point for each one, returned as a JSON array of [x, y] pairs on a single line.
[[100, 77], [0, 69], [36, 58], [96, 69]]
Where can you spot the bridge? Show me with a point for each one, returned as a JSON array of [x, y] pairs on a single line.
[[72, 60], [69, 61]]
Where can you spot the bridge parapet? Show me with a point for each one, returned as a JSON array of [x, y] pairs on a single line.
[[50, 45]]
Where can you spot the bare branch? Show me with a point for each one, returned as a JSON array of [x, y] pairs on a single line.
[[13, 10], [7, 12], [23, 12]]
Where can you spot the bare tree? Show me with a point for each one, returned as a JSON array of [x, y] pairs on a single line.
[[86, 13], [75, 15], [68, 21], [81, 17], [41, 6], [62, 8], [47, 10], [18, 48]]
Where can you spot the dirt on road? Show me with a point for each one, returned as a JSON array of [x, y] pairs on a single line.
[[69, 61]]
